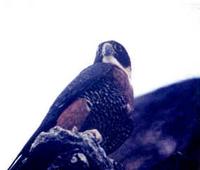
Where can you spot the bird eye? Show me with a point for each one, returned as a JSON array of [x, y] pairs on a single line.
[[117, 48]]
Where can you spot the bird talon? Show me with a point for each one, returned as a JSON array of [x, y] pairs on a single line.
[[75, 129], [96, 134]]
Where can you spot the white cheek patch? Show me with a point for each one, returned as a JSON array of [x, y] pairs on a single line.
[[113, 60]]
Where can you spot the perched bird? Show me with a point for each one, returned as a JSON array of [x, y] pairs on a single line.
[[100, 97]]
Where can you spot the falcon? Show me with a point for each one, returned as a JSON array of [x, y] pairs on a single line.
[[100, 97]]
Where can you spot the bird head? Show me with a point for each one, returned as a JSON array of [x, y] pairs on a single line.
[[114, 53]]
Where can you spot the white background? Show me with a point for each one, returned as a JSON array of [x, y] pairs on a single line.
[[44, 44]]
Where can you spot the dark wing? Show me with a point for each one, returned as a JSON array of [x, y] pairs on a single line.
[[84, 80]]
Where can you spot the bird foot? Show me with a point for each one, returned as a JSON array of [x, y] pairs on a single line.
[[96, 134]]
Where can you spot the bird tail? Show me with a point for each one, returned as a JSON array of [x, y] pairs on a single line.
[[17, 162]]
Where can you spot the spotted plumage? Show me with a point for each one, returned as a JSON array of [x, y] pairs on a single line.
[[100, 97], [108, 106]]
